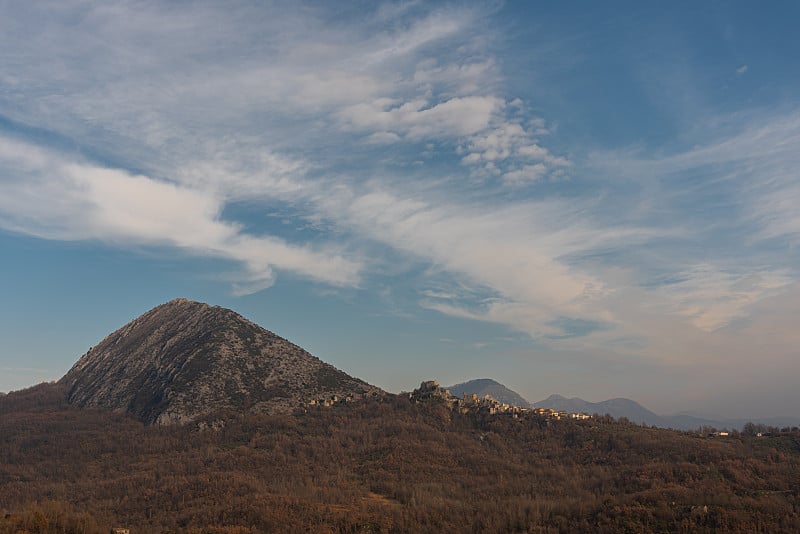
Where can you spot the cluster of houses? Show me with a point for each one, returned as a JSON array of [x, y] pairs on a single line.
[[470, 402], [550, 413], [330, 401], [333, 400]]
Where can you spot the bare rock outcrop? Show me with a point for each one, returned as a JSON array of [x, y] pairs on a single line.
[[183, 360]]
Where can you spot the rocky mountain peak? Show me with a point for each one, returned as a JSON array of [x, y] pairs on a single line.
[[184, 359]]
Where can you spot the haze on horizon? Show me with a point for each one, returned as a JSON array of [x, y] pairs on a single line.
[[594, 202]]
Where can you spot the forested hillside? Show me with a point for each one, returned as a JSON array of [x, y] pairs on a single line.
[[382, 465]]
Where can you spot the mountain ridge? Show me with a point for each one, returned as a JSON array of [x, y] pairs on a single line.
[[616, 407], [622, 407], [488, 386]]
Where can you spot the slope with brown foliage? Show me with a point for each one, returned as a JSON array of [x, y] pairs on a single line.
[[383, 465]]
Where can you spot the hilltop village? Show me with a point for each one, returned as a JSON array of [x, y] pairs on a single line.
[[431, 391], [470, 402]]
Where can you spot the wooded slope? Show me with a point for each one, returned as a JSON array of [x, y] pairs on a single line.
[[382, 465]]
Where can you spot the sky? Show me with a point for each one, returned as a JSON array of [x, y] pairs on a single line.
[[591, 199]]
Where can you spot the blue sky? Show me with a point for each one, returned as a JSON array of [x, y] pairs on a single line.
[[587, 199]]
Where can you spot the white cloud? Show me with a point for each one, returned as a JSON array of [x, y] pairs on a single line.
[[384, 138], [510, 150], [776, 206], [455, 79], [437, 26], [533, 151], [512, 252], [525, 175], [498, 143], [418, 119], [48, 195], [736, 198], [754, 167], [711, 297]]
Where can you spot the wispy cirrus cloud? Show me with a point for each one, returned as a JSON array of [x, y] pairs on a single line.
[[748, 169], [52, 196], [732, 200], [204, 125], [417, 119], [712, 298]]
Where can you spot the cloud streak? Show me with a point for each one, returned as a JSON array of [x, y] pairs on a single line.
[[68, 200]]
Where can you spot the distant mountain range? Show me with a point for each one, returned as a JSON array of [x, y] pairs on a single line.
[[487, 386], [621, 407], [185, 360], [618, 407], [639, 414]]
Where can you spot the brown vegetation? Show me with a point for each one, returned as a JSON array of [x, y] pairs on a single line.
[[383, 465]]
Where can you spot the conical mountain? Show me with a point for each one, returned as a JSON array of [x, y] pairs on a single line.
[[487, 386], [184, 360]]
